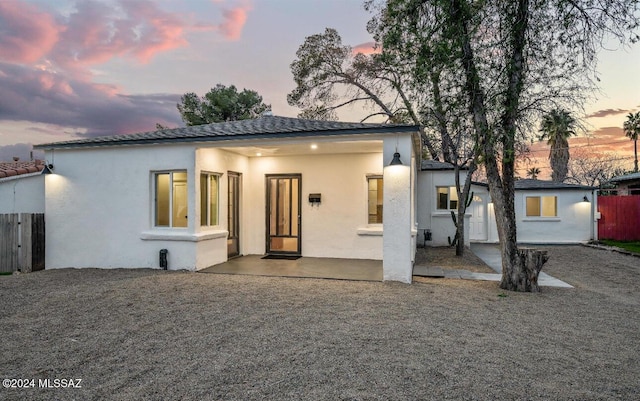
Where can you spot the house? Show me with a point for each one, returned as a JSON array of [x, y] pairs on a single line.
[[21, 187], [270, 185], [437, 198], [547, 212], [627, 184]]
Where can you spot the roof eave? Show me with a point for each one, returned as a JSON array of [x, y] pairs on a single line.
[[219, 138]]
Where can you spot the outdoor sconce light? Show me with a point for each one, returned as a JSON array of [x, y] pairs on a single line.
[[396, 160], [585, 199], [48, 169]]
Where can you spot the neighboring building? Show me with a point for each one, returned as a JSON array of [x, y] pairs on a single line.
[[21, 187], [271, 185], [437, 198], [627, 184], [547, 212]]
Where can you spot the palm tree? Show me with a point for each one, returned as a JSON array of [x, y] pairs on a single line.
[[632, 130], [533, 173], [557, 127]]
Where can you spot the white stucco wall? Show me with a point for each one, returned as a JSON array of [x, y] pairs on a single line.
[[99, 209], [398, 216], [573, 224], [22, 194], [335, 228], [430, 218]]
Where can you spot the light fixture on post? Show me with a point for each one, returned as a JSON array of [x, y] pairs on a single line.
[[585, 199], [396, 160]]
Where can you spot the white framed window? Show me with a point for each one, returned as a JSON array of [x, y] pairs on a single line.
[[541, 206], [171, 199], [209, 199], [447, 198], [375, 188]]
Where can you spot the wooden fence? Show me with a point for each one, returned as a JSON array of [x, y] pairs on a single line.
[[22, 241], [619, 217]]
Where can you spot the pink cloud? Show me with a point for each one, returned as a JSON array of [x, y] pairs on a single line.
[[97, 32], [234, 20], [47, 61], [366, 48], [27, 33]]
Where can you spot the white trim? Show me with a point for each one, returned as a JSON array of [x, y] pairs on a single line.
[[376, 230], [177, 236], [16, 177], [535, 218]]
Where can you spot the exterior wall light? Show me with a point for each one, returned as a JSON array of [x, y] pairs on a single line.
[[585, 199], [396, 160], [48, 169]]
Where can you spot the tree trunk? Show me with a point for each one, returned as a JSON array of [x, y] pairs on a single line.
[[525, 277], [635, 153]]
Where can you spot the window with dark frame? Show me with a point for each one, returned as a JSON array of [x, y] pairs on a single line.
[[209, 199], [375, 187], [171, 199]]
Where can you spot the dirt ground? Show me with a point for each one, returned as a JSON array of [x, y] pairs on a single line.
[[154, 335]]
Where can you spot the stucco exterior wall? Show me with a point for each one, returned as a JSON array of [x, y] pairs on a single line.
[[429, 217], [99, 208], [22, 194], [573, 223], [337, 227]]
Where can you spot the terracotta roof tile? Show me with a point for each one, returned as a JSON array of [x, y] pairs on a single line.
[[12, 169]]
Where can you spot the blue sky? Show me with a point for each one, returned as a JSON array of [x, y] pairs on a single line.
[[71, 68]]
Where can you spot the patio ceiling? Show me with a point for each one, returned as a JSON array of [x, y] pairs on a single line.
[[321, 147]]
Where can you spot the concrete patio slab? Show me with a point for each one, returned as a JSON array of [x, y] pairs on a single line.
[[328, 268]]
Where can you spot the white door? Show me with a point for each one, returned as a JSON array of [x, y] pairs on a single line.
[[478, 220]]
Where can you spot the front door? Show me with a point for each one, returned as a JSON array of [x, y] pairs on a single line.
[[283, 214], [233, 214], [478, 220]]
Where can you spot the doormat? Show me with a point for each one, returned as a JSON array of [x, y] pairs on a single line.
[[284, 257]]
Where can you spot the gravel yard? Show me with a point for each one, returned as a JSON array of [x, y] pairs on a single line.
[[145, 334]]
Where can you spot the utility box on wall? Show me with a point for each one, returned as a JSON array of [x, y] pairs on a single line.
[[315, 198]]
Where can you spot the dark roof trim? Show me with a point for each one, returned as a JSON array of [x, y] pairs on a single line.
[[541, 185], [182, 135]]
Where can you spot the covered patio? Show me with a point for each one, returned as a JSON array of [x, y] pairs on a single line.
[[304, 267]]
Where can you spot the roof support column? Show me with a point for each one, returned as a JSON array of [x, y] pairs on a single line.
[[397, 260]]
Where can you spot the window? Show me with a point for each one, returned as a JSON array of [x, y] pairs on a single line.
[[209, 199], [375, 187], [542, 206], [447, 198], [171, 199]]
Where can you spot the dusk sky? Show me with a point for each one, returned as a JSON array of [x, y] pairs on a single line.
[[88, 68]]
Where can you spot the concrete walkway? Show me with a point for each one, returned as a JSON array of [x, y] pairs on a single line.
[[490, 254]]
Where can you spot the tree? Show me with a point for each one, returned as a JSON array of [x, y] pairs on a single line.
[[593, 169], [329, 76], [557, 127], [533, 173], [221, 104], [510, 60], [632, 130]]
